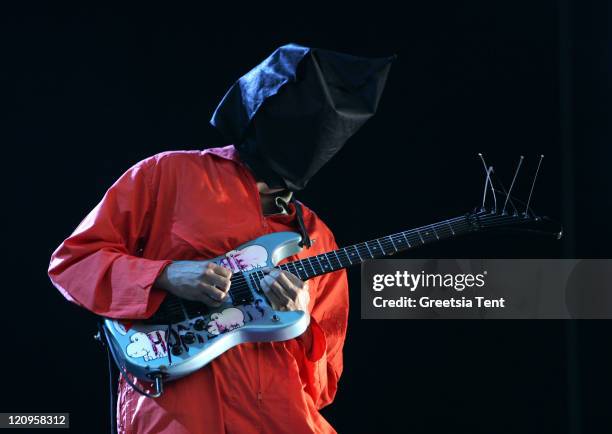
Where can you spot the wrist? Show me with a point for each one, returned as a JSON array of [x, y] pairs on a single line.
[[162, 281]]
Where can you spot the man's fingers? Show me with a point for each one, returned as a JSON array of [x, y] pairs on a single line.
[[275, 302], [272, 298], [212, 292], [218, 276], [296, 281], [284, 289], [222, 283], [272, 295], [279, 293], [219, 270], [289, 282], [287, 285]]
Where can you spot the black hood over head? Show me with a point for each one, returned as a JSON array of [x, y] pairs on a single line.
[[292, 113]]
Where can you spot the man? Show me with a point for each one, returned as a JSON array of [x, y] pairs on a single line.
[[154, 229]]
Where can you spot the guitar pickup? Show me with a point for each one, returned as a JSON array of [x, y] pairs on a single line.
[[236, 301]]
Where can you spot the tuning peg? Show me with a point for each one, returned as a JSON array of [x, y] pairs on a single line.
[[488, 182], [512, 184], [526, 214]]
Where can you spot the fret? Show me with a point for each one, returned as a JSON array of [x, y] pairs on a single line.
[[357, 250], [295, 270], [450, 226], [285, 267], [420, 236], [317, 262], [314, 271], [407, 241], [392, 243], [331, 255], [359, 254], [347, 256], [302, 269], [374, 247], [324, 267], [381, 247], [364, 252], [345, 262], [397, 243], [434, 231], [338, 257], [331, 266], [369, 251]]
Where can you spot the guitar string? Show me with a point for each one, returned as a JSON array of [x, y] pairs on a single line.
[[242, 288], [410, 232], [459, 224], [386, 240], [388, 243]]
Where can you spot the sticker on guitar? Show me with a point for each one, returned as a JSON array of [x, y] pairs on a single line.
[[225, 321], [246, 259], [151, 345], [233, 318]]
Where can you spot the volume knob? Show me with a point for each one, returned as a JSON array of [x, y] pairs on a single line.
[[200, 325], [189, 338]]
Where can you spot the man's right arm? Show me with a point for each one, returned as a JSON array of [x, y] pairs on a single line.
[[201, 281], [97, 267]]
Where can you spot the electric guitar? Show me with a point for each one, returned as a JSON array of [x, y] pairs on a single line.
[[183, 336]]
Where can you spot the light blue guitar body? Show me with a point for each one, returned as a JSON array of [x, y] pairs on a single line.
[[172, 349]]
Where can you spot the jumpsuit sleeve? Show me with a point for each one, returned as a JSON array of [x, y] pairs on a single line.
[[97, 267], [323, 360]]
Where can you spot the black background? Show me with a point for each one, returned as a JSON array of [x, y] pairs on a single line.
[[92, 91]]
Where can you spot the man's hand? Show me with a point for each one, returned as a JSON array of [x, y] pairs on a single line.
[[202, 281], [284, 290]]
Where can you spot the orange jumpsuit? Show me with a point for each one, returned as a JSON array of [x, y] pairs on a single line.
[[198, 205]]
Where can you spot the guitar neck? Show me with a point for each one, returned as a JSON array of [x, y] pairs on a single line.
[[355, 254]]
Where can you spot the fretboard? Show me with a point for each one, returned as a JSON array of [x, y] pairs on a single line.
[[380, 247]]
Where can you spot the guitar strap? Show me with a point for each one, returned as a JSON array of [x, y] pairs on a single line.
[[300, 221]]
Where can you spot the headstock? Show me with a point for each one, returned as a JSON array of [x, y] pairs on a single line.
[[512, 214]]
